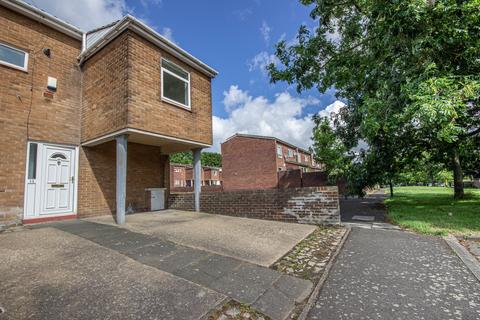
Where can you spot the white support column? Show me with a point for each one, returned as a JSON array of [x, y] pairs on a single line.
[[121, 183], [197, 176]]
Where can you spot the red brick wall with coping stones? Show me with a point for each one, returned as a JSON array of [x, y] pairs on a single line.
[[318, 205]]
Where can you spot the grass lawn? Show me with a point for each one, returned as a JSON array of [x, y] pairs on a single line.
[[432, 210]]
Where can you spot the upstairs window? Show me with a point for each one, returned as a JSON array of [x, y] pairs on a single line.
[[279, 151], [175, 84], [290, 153], [12, 57]]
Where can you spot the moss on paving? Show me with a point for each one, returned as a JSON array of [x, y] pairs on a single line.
[[433, 211], [242, 312]]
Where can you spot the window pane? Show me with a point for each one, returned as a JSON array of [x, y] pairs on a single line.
[[12, 56], [32, 161], [175, 89], [175, 69]]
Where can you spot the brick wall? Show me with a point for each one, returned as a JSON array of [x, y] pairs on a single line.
[[55, 120], [145, 169], [248, 163], [190, 189], [105, 95], [147, 111], [302, 205]]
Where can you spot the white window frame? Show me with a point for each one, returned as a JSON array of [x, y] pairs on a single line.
[[178, 104], [8, 64], [279, 151]]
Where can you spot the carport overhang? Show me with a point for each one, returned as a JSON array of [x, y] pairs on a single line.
[[167, 144]]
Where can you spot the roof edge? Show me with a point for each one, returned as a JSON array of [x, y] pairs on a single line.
[[132, 23], [254, 136], [43, 17]]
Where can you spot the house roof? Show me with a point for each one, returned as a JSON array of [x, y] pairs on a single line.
[[253, 136], [43, 17], [96, 39]]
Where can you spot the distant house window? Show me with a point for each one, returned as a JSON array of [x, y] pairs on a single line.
[[214, 172], [12, 57], [290, 153], [177, 170], [306, 158], [279, 151], [175, 84]]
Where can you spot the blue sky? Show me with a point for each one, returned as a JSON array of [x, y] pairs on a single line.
[[237, 38]]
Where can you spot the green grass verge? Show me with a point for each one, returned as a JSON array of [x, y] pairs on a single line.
[[432, 210]]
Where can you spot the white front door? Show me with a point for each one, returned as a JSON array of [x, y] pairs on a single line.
[[50, 183], [58, 182]]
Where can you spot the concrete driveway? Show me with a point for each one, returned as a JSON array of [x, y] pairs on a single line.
[[257, 241], [51, 274], [87, 270]]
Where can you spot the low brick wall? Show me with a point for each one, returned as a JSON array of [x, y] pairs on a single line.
[[318, 205]]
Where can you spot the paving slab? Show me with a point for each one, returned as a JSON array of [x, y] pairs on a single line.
[[50, 274], [386, 274], [260, 242], [364, 218], [245, 282]]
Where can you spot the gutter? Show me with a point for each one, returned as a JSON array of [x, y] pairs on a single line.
[[42, 17]]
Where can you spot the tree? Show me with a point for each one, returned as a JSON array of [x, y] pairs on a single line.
[[409, 70], [329, 149], [211, 159]]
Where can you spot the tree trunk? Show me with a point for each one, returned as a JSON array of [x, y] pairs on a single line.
[[391, 188], [457, 175]]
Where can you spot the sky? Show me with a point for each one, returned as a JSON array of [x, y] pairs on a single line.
[[237, 38]]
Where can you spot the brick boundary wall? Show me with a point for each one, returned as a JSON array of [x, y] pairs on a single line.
[[317, 205]]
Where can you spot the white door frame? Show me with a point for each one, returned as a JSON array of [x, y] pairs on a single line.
[[38, 194]]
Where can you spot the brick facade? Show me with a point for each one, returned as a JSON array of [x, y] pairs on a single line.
[[249, 163], [28, 115], [318, 205], [115, 88], [145, 169], [252, 162]]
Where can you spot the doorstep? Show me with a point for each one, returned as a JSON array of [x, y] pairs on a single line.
[[49, 218]]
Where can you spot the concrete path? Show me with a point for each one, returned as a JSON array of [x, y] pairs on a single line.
[[50, 274], [266, 290], [257, 241], [384, 274]]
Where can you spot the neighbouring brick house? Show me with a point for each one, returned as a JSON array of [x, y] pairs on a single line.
[[181, 176], [252, 162], [88, 119]]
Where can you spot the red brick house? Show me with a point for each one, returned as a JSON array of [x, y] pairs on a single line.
[[252, 162], [88, 119], [181, 176]]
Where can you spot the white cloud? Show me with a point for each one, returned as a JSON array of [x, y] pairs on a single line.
[[261, 61], [281, 117], [86, 14], [168, 33], [332, 109], [265, 31], [235, 97]]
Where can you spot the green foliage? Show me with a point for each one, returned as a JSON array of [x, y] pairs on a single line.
[[409, 70], [329, 149], [211, 159]]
